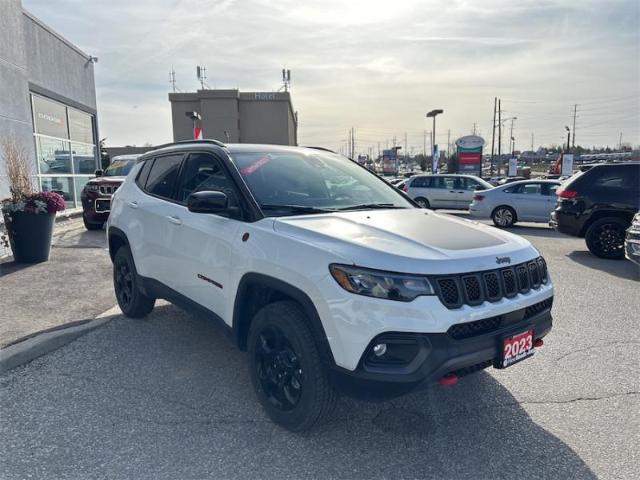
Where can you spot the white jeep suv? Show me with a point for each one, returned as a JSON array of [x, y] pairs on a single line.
[[331, 279]]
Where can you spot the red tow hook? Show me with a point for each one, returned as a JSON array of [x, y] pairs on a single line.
[[448, 379], [538, 343]]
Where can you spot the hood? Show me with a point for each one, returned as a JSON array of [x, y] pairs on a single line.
[[412, 240], [101, 180]]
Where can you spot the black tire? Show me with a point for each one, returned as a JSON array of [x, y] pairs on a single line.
[[286, 368], [605, 237], [422, 202], [92, 226], [504, 217], [126, 283]]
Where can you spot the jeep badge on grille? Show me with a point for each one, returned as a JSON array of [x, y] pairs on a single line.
[[500, 260]]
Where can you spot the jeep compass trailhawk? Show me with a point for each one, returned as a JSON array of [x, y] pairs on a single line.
[[331, 279]]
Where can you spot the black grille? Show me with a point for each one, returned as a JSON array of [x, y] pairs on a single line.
[[449, 291], [510, 284], [534, 274], [536, 308], [460, 331], [475, 288], [523, 278], [492, 285], [472, 290]]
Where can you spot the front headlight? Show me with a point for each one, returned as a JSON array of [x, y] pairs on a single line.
[[375, 283], [91, 187]]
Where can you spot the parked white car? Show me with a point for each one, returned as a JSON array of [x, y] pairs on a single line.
[[329, 277], [444, 191], [523, 201]]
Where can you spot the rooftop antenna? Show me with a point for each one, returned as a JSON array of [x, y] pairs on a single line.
[[172, 79], [201, 73], [286, 80]]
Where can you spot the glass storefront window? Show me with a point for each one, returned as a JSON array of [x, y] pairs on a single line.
[[61, 185], [80, 126], [50, 118], [80, 182], [84, 158], [54, 156]]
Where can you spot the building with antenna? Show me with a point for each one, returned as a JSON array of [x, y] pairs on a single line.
[[235, 117]]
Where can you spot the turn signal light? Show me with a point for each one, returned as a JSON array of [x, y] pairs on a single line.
[[562, 193]]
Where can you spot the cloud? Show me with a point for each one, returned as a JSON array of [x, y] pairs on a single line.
[[372, 64]]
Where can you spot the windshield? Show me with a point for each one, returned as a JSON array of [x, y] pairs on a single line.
[[119, 168], [313, 182]]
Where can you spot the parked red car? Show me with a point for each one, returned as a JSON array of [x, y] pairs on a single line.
[[96, 194]]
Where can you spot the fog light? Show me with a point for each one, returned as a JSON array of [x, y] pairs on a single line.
[[380, 349]]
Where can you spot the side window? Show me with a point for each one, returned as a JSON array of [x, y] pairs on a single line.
[[143, 174], [549, 189], [203, 171], [513, 189], [531, 189], [420, 182], [467, 184], [447, 183], [163, 175], [611, 177]]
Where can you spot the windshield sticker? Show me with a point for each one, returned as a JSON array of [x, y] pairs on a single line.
[[249, 169]]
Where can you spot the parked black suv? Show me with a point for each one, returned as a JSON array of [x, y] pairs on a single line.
[[599, 204]]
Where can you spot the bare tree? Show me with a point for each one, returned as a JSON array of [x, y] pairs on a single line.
[[18, 168]]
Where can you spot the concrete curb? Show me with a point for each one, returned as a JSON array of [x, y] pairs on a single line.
[[40, 344]]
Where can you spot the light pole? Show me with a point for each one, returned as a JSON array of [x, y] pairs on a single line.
[[433, 114], [568, 137]]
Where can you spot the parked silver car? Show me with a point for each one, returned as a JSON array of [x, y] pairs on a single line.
[[525, 201], [444, 191]]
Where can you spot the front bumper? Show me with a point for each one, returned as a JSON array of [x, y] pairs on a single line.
[[441, 354]]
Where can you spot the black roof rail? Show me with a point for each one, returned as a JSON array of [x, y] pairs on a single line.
[[182, 142]]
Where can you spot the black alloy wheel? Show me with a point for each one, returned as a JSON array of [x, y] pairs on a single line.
[[123, 282], [278, 369], [605, 238], [131, 299]]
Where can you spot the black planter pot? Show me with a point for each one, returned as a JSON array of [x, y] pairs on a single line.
[[30, 235]]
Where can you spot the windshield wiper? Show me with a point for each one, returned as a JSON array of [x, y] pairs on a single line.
[[296, 208], [370, 206]]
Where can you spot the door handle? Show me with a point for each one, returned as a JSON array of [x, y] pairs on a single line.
[[133, 204], [452, 191], [460, 192], [174, 220]]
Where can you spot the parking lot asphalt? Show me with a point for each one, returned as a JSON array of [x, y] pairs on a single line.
[[169, 397]]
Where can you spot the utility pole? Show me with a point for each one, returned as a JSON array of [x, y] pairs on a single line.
[[573, 141], [493, 131], [620, 142], [512, 141], [378, 149], [431, 140], [448, 143], [394, 142], [172, 79], [424, 144], [353, 143], [532, 141], [499, 130], [474, 127], [405, 147]]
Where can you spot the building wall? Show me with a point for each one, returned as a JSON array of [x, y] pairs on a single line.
[[247, 117], [15, 113], [59, 67], [36, 60]]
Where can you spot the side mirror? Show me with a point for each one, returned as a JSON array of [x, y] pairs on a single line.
[[99, 173], [208, 202]]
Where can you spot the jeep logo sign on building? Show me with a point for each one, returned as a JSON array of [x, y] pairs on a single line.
[[470, 154]]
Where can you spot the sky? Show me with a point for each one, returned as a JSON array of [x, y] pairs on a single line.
[[375, 65]]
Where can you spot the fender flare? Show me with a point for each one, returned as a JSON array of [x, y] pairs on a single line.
[[241, 323]]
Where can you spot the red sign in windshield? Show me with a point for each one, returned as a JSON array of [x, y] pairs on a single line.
[[251, 168]]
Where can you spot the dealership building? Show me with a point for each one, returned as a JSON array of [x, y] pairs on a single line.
[[47, 102], [235, 117]]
